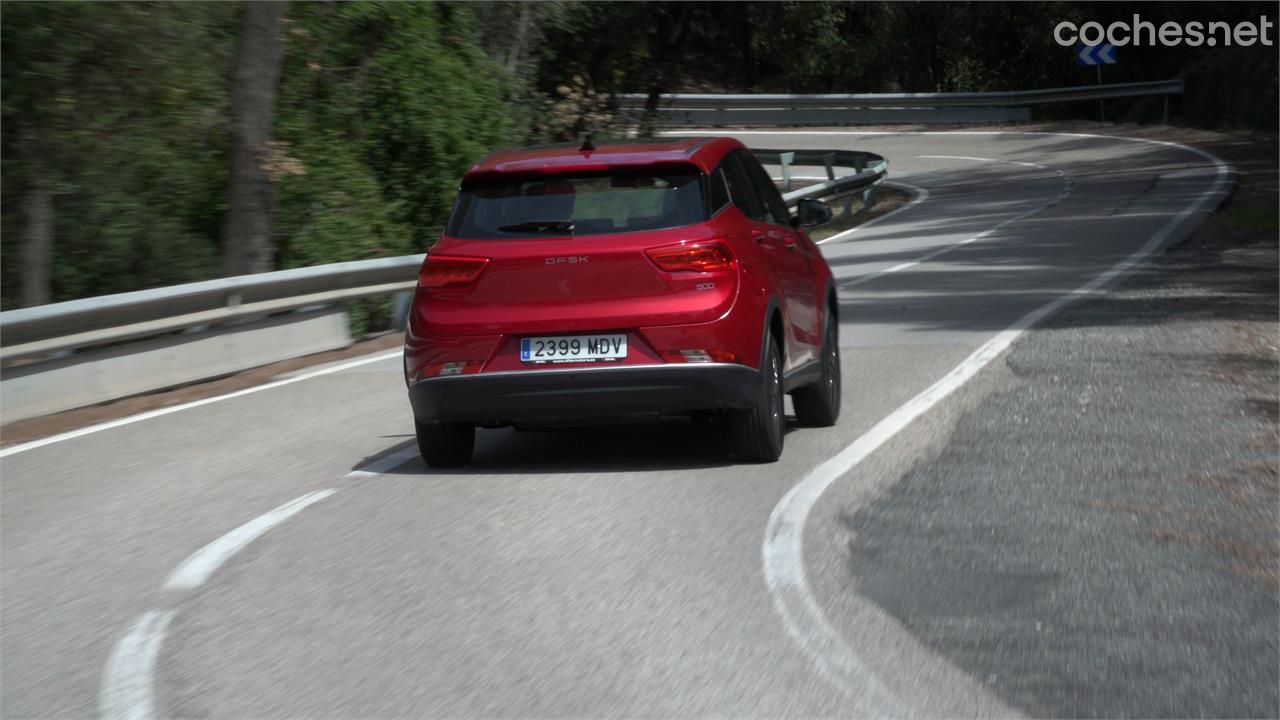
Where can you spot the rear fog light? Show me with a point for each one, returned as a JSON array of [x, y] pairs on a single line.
[[701, 356]]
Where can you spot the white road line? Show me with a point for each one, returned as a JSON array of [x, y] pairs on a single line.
[[129, 676], [1068, 184], [972, 158], [196, 569], [126, 683], [23, 447], [919, 193], [383, 464], [782, 551], [128, 680]]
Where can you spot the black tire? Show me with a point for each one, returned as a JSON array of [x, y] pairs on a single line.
[[758, 433], [818, 405], [446, 445]]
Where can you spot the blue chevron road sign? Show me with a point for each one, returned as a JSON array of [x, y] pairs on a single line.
[[1096, 54]]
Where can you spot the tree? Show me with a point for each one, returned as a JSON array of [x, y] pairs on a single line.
[[673, 25], [247, 245], [37, 246], [114, 143]]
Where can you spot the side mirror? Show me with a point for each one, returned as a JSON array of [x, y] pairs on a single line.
[[810, 212]]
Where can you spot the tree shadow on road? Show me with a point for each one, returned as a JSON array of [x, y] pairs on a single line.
[[986, 285]]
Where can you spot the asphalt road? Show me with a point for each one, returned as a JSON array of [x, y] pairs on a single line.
[[616, 571]]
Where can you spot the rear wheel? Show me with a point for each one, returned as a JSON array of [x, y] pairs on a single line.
[[444, 445], [758, 432], [818, 405]]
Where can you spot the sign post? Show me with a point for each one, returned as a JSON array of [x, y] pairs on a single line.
[[1097, 56], [1102, 113]]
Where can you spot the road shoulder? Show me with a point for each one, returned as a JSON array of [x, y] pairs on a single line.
[[21, 431]]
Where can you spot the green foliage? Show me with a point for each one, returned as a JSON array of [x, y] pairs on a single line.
[[383, 106], [334, 210], [121, 110], [1235, 87], [1252, 215], [606, 43], [116, 109]]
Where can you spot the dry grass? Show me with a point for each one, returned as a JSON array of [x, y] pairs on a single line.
[[887, 200]]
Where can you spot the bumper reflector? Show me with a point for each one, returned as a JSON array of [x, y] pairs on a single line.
[[701, 356], [453, 368], [450, 368]]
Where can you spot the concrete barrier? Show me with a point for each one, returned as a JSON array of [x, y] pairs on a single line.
[[108, 373]]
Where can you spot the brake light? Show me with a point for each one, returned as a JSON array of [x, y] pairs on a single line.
[[441, 270], [703, 257]]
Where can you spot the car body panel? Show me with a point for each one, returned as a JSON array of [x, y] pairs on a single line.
[[573, 284]]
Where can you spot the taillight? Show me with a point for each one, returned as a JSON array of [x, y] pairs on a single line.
[[702, 257], [441, 270]]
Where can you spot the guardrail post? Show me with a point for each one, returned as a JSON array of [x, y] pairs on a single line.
[[785, 159], [400, 303], [829, 161], [859, 164], [1164, 118], [869, 197]]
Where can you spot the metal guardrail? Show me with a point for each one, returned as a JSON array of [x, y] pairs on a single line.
[[871, 169], [126, 316], [914, 100], [771, 109]]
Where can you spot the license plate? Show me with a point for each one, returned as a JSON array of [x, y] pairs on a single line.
[[573, 348]]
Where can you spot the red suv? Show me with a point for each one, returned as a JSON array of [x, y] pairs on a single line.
[[638, 278]]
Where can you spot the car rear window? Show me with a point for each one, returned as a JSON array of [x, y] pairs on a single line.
[[578, 205]]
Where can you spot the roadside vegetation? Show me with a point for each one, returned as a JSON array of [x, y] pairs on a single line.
[[148, 144]]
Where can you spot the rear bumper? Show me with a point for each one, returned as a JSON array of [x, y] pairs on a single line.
[[584, 392]]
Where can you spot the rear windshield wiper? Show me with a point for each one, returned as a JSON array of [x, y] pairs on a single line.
[[539, 226]]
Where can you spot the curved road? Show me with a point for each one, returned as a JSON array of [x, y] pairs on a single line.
[[604, 572]]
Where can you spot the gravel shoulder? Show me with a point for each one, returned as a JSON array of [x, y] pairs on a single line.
[[1098, 536], [21, 431]]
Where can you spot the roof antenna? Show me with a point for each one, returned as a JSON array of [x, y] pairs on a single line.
[[587, 145]]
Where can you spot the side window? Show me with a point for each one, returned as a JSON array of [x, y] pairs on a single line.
[[767, 191], [743, 194], [719, 191]]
